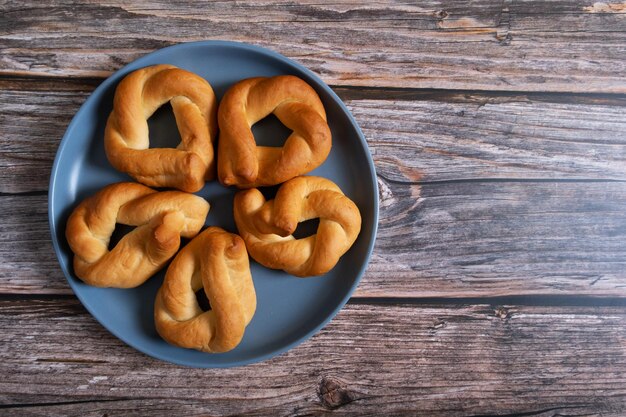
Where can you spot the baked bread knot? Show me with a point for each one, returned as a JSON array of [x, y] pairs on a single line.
[[218, 262], [240, 162], [126, 138], [267, 226], [161, 219]]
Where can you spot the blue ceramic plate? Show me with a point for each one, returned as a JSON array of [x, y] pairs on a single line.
[[290, 310]]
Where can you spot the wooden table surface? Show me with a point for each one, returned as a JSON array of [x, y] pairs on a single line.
[[497, 286]]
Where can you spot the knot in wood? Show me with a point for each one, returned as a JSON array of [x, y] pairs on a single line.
[[441, 14], [438, 324], [504, 39], [501, 312], [334, 393], [385, 195]]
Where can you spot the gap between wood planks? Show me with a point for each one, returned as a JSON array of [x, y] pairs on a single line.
[[62, 403], [490, 180], [348, 92], [497, 301], [332, 400], [457, 181]]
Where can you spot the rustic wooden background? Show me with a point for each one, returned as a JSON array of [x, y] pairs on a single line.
[[498, 282]]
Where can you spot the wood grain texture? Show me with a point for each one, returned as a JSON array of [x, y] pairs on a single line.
[[495, 180], [34, 117], [447, 239], [413, 136], [371, 359], [473, 136], [568, 45]]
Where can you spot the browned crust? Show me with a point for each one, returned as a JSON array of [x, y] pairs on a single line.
[[267, 226], [296, 104], [194, 104], [161, 218], [218, 261]]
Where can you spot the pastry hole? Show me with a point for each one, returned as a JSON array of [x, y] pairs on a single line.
[[202, 300], [306, 228], [269, 192], [270, 131], [163, 131], [120, 231]]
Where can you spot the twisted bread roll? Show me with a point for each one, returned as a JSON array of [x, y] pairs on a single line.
[[161, 219], [126, 139], [218, 261], [240, 162], [267, 226]]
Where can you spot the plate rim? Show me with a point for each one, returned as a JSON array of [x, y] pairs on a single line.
[[285, 60]]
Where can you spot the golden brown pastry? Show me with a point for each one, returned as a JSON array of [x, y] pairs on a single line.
[[267, 226], [126, 140], [161, 219], [218, 261], [244, 164]]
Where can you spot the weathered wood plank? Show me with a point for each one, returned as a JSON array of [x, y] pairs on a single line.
[[34, 117], [499, 238], [450, 239], [470, 136], [426, 136], [370, 360], [566, 45]]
